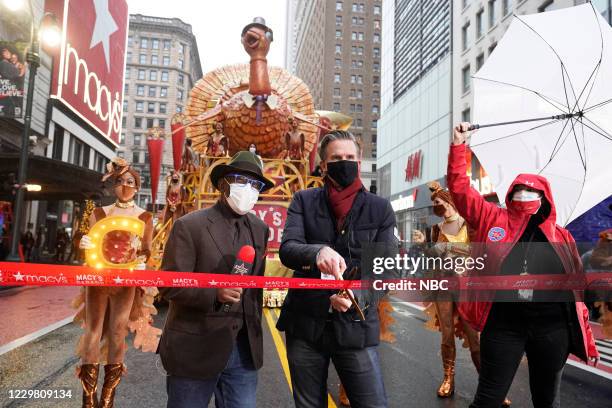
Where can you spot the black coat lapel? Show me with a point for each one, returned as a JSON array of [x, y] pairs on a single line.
[[217, 228]]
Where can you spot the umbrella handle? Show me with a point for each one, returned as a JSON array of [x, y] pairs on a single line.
[[554, 117]]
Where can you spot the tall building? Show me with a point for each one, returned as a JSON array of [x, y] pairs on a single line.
[[335, 47], [162, 65], [413, 131]]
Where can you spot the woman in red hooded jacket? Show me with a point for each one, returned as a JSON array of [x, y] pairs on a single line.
[[521, 239]]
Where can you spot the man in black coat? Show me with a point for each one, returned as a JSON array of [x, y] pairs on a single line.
[[325, 235]]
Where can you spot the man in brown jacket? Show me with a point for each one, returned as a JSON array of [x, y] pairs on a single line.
[[204, 347]]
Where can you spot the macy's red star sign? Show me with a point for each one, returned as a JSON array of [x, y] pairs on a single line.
[[414, 165]]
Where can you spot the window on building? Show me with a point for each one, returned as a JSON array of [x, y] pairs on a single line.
[[128, 57], [142, 59], [338, 63], [376, 37], [179, 94], [122, 138], [376, 80], [161, 122], [164, 76], [354, 36], [163, 91], [359, 108], [338, 6], [373, 142], [137, 123], [125, 108], [152, 91], [155, 43], [338, 33], [374, 123], [359, 93], [153, 75], [154, 59], [492, 16], [151, 107], [140, 90], [377, 24], [338, 49], [182, 48], [376, 66], [166, 60], [150, 123], [181, 79], [355, 8], [162, 108], [465, 78], [465, 115], [377, 9], [337, 106], [336, 91], [144, 43], [137, 139], [76, 151], [128, 70], [353, 79], [358, 122], [479, 61], [360, 79], [126, 88], [360, 36], [492, 47], [167, 44], [139, 106], [135, 157], [375, 49], [86, 153], [179, 109], [142, 74], [130, 40], [480, 23], [338, 20], [465, 37], [374, 108], [376, 93], [337, 78], [58, 142], [352, 107], [181, 64], [506, 7]]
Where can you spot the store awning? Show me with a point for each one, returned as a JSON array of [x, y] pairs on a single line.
[[59, 180]]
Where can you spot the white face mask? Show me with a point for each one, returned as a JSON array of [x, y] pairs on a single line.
[[252, 150], [524, 195], [242, 198]]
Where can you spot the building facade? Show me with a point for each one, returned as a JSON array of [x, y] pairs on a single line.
[[162, 65], [413, 132], [335, 47]]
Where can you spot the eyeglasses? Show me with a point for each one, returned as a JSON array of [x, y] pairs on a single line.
[[243, 180]]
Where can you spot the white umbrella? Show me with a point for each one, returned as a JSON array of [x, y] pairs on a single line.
[[548, 83]]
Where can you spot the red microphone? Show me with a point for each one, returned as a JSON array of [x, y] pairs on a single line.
[[242, 266]]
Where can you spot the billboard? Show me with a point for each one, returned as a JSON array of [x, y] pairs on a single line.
[[88, 71], [14, 41]]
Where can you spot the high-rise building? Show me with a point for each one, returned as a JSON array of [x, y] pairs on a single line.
[[162, 65], [413, 132], [335, 47]]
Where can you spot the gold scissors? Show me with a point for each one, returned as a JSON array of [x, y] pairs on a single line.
[[347, 293]]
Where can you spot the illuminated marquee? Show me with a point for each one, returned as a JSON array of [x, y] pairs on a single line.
[[88, 71]]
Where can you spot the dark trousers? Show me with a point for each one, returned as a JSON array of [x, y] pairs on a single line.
[[501, 350], [358, 369], [234, 387]]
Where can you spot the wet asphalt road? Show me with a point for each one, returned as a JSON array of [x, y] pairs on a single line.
[[411, 368]]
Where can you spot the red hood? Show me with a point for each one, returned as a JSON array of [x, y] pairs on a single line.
[[539, 183]]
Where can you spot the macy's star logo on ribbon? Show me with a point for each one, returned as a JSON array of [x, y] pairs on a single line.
[[213, 282], [118, 280], [18, 276]]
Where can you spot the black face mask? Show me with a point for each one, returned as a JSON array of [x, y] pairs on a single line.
[[343, 172]]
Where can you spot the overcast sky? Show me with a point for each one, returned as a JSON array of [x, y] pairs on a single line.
[[217, 25]]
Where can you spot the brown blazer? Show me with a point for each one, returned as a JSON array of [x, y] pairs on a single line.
[[198, 336]]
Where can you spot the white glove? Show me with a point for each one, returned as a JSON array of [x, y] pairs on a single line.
[[86, 243], [140, 267]]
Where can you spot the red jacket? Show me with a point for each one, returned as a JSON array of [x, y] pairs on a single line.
[[491, 225]]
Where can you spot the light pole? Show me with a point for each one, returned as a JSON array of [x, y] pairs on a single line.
[[49, 32]]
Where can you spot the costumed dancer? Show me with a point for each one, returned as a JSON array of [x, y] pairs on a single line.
[[108, 312], [451, 239], [601, 259]]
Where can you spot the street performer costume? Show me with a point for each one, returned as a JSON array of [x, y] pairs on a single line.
[[108, 312]]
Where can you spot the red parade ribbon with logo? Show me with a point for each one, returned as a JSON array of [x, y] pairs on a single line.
[[27, 274]]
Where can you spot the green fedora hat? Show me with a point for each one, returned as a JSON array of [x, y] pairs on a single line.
[[243, 162]]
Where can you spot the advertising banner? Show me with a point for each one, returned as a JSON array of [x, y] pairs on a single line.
[[14, 41]]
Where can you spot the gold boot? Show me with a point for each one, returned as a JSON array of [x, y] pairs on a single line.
[[506, 402], [343, 397], [447, 388], [112, 377], [88, 374]]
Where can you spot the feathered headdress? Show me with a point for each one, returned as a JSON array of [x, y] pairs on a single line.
[[118, 167], [438, 192]]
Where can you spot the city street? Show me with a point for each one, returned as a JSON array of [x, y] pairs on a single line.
[[411, 365]]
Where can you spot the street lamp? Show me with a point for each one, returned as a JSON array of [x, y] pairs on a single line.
[[48, 32]]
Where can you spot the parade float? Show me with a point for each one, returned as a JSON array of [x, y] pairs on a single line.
[[241, 107]]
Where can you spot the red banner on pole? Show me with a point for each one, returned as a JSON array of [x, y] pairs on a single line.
[[155, 145], [178, 139]]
